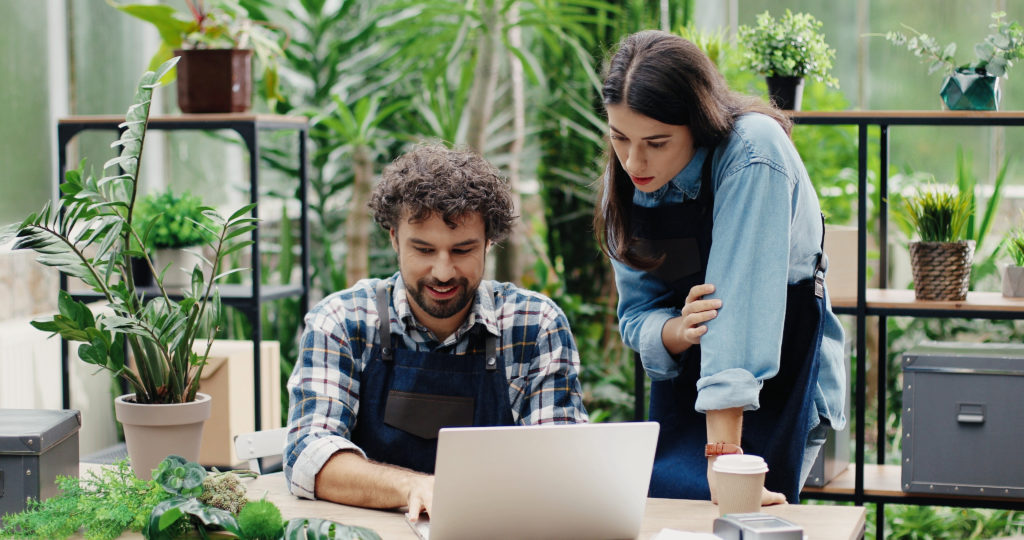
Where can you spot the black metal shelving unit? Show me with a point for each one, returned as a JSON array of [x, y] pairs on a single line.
[[884, 303], [248, 299]]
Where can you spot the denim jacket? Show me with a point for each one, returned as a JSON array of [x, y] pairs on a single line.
[[767, 234]]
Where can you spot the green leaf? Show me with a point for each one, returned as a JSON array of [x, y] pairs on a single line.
[[323, 529]]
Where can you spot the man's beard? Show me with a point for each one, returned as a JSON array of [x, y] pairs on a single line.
[[446, 308]]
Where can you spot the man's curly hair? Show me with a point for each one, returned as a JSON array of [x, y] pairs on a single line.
[[451, 183]]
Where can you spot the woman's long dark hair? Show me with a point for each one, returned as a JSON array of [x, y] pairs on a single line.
[[669, 79]]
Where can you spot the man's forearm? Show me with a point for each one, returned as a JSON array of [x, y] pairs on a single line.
[[349, 478]]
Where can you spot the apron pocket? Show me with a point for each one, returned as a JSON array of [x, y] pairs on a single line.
[[423, 415]]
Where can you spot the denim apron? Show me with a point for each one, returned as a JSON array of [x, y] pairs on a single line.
[[778, 430], [406, 397]]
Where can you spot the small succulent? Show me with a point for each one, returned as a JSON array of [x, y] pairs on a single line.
[[225, 491]]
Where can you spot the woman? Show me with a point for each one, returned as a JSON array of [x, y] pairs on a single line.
[[703, 185]]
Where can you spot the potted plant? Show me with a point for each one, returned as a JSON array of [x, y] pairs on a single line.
[[175, 223], [216, 46], [974, 85], [786, 51], [941, 259], [1013, 274], [92, 233]]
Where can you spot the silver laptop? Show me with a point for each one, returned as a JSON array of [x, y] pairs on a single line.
[[550, 481]]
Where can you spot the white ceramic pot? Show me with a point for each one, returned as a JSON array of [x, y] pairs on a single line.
[[180, 262], [1013, 281], [153, 432]]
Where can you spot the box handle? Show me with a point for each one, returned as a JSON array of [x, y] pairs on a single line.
[[970, 413]]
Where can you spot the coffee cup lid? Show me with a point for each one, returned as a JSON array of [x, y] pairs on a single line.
[[740, 464]]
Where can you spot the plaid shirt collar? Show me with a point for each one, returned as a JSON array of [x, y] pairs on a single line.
[[482, 312]]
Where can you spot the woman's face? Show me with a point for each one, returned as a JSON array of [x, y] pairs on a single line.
[[651, 152]]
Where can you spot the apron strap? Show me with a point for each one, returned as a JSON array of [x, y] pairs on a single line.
[[384, 322], [819, 270], [492, 357]]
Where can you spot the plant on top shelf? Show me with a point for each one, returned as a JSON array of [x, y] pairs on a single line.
[[223, 26], [786, 50], [941, 259], [92, 233], [972, 85]]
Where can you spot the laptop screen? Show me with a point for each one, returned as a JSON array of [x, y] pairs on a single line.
[[549, 481]]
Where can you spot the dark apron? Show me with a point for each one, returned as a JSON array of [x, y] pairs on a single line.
[[406, 397], [778, 430]]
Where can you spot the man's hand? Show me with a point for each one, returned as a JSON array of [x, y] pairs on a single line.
[[420, 496], [679, 333]]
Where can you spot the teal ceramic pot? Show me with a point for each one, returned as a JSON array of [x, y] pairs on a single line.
[[967, 90]]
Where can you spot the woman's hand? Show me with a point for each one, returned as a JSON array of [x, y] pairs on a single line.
[[768, 498], [679, 333]]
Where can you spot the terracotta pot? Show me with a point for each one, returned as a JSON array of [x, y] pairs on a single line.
[[942, 270], [1013, 281], [214, 80], [786, 92], [153, 432]]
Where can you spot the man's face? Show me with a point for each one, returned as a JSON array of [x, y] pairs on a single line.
[[442, 268]]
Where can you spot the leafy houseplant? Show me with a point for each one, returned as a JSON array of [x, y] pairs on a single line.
[[182, 500], [973, 85], [786, 51], [92, 233], [216, 45], [941, 259], [174, 222], [1013, 275]]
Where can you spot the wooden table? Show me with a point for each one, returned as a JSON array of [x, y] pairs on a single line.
[[820, 522]]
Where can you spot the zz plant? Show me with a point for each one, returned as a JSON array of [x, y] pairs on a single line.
[[92, 233]]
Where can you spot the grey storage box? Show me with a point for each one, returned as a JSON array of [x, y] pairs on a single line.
[[963, 419], [36, 446]]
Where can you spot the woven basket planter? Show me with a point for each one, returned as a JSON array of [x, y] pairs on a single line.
[[942, 270]]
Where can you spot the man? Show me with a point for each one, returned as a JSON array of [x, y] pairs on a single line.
[[369, 393]]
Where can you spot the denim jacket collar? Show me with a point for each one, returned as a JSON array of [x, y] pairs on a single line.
[[686, 182]]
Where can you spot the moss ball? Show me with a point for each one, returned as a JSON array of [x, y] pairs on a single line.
[[261, 520]]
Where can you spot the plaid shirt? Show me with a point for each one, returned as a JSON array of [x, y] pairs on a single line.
[[534, 340]]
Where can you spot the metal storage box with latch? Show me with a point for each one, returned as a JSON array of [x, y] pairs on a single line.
[[963, 419], [36, 446]]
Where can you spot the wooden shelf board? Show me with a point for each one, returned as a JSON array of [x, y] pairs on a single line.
[[105, 119], [883, 481], [904, 299]]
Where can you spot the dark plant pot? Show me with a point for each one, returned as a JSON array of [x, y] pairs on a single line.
[[786, 92], [141, 273], [967, 90], [214, 80]]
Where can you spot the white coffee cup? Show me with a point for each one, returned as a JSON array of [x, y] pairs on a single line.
[[739, 480]]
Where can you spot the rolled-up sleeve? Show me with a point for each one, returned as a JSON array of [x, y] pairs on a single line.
[[642, 315], [324, 399], [749, 266]]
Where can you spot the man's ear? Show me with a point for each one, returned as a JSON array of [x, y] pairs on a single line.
[[487, 246], [394, 239]]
